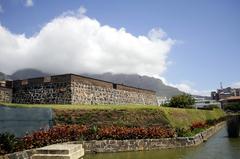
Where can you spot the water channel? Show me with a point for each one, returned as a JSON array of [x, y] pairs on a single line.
[[218, 146]]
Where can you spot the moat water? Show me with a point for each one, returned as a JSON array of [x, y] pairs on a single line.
[[218, 146]]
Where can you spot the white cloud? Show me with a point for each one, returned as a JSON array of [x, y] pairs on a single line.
[[236, 85], [187, 87], [157, 34], [29, 3], [78, 44], [80, 13], [1, 9]]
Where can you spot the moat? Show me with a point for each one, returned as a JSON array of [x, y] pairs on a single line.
[[217, 147]]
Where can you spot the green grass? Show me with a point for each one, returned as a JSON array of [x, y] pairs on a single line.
[[179, 117], [81, 106], [130, 115]]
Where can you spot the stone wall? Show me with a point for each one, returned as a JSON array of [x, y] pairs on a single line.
[[93, 91], [46, 90], [5, 94], [98, 146], [75, 89], [90, 94]]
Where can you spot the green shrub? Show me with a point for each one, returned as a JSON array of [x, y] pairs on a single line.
[[182, 101], [233, 107], [183, 132], [8, 143], [65, 133]]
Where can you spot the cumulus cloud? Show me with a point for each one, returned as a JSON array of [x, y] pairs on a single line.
[[80, 13], [1, 9], [156, 34], [29, 3], [79, 44], [187, 87]]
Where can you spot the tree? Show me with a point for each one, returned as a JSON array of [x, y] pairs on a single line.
[[232, 107], [182, 101]]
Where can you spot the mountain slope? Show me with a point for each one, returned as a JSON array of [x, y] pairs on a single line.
[[135, 80], [27, 73], [2, 76]]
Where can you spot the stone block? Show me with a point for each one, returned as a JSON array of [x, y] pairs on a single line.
[[59, 151]]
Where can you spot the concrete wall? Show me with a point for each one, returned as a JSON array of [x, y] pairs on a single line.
[[18, 121], [5, 94]]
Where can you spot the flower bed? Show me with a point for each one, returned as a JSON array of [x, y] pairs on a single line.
[[65, 133]]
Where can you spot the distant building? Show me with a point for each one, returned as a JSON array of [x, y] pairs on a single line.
[[226, 96], [203, 102], [229, 100], [225, 93], [162, 100]]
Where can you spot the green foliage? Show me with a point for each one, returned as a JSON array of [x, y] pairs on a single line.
[[82, 106], [65, 133], [94, 129], [99, 117], [210, 107], [8, 143], [165, 105], [183, 118], [182, 101], [183, 132], [233, 107], [194, 129]]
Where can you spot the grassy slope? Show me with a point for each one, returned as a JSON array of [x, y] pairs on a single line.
[[126, 115]]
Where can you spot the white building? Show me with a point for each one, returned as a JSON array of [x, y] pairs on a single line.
[[162, 100], [202, 102]]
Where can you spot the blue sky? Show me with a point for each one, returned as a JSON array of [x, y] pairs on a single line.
[[205, 33]]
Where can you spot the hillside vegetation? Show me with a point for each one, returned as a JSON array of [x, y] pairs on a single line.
[[127, 115]]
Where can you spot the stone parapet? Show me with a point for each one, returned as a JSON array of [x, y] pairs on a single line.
[[75, 89]]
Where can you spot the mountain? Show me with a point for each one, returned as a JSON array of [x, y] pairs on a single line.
[[134, 80], [27, 73], [2, 76]]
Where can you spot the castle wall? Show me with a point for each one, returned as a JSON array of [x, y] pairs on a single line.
[[46, 90], [75, 89], [100, 92], [5, 94]]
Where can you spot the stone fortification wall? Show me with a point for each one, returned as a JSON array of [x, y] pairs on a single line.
[[75, 89], [93, 91], [45, 90], [5, 94]]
